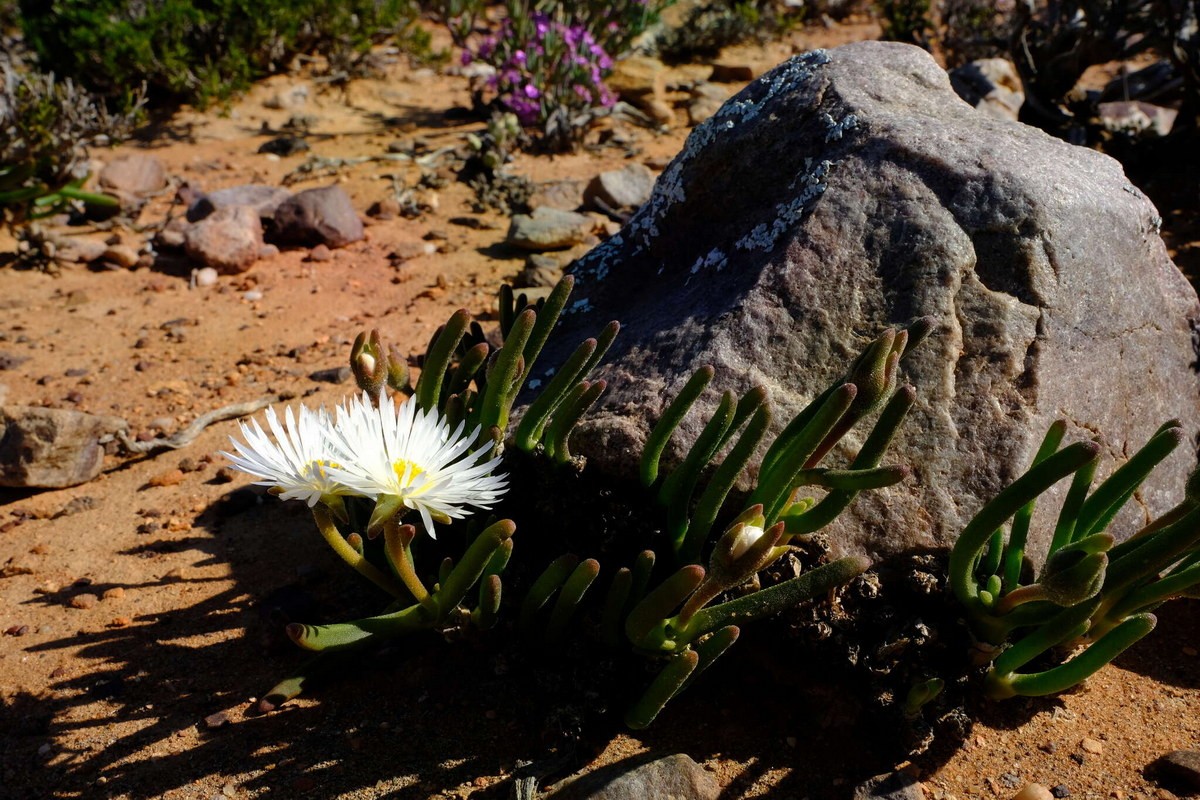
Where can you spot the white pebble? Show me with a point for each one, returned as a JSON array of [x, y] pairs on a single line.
[[253, 295], [206, 277]]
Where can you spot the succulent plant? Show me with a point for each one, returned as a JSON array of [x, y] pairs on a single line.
[[1092, 596], [441, 452]]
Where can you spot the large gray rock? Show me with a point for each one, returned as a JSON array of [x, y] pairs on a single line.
[[848, 190], [51, 447]]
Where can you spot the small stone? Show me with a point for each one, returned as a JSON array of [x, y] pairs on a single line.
[[677, 777], [621, 190], [252, 296], [404, 251], [120, 622], [725, 72], [332, 375], [318, 216], [566, 194], [894, 786], [171, 477], [540, 270], [1189, 651], [706, 99], [268, 250], [82, 249], [218, 720], [138, 175], [289, 99], [1010, 780], [1060, 790], [1034, 791], [205, 277], [225, 475], [385, 209], [284, 146], [263, 198], [115, 593], [549, 229], [320, 253], [228, 240], [121, 255], [85, 600], [16, 630], [1093, 746]]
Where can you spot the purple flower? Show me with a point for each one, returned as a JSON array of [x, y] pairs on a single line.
[[531, 91], [518, 57]]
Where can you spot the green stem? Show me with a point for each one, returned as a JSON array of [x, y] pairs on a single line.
[[975, 535], [1075, 671], [656, 442], [345, 635], [773, 599], [665, 686], [1014, 554], [356, 560]]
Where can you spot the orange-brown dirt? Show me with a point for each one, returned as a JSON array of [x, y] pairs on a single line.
[[142, 611]]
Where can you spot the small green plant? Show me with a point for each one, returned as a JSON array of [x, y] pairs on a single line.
[[196, 51], [710, 26], [440, 452], [1091, 596], [46, 129]]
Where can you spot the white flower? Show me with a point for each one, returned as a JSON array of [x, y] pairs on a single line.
[[413, 458], [298, 463]]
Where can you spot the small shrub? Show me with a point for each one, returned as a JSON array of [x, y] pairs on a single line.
[[974, 29], [46, 128], [905, 20], [708, 27], [192, 50]]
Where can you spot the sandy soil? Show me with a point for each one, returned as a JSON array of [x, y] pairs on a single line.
[[142, 612]]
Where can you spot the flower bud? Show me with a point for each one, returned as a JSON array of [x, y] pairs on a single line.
[[743, 540]]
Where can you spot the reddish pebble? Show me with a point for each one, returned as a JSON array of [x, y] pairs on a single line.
[[169, 478], [16, 630], [85, 600], [120, 622], [115, 593]]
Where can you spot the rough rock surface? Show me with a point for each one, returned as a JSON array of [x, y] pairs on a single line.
[[229, 240], [262, 198], [622, 189], [549, 229], [51, 447], [137, 175], [992, 85], [318, 216], [675, 777], [851, 189], [894, 786]]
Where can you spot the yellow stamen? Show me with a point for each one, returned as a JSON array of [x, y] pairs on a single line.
[[408, 472]]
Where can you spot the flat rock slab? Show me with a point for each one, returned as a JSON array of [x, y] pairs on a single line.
[[549, 228], [675, 777], [849, 190], [51, 447]]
